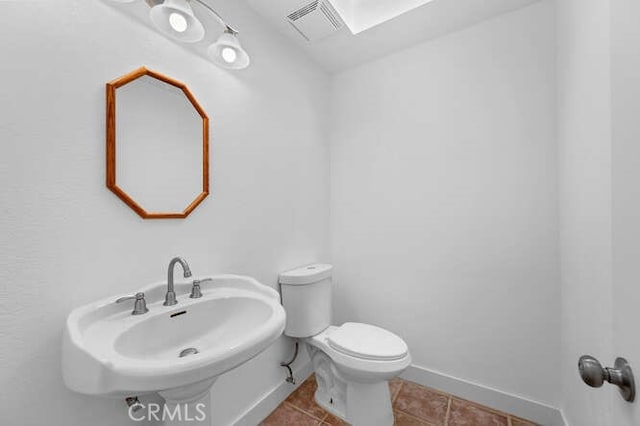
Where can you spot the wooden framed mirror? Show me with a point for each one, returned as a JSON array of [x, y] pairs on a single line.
[[157, 145]]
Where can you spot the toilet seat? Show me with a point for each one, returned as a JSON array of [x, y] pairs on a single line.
[[368, 342]]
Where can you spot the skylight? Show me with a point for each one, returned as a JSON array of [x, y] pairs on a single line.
[[360, 15]]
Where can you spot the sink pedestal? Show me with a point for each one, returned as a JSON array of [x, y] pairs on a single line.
[[188, 405]]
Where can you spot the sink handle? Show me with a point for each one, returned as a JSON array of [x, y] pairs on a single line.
[[196, 293], [139, 307]]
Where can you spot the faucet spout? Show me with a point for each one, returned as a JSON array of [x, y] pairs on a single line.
[[170, 297]]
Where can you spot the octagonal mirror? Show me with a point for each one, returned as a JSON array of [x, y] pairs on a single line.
[[157, 145]]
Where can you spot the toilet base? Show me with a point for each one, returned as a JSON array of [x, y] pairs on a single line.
[[361, 410], [360, 404]]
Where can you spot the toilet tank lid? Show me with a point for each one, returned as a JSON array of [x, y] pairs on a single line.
[[306, 274]]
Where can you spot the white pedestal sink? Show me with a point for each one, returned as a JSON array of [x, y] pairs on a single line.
[[109, 352]]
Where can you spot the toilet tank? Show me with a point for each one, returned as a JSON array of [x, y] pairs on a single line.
[[306, 298]]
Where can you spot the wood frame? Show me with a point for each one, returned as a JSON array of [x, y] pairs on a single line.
[[112, 86]]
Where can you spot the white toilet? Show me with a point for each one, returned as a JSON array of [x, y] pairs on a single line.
[[352, 362]]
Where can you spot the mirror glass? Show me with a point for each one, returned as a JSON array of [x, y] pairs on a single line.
[[159, 149]]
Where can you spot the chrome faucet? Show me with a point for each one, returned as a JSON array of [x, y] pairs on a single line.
[[170, 297]]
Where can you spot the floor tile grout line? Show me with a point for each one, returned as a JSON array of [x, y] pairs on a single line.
[[419, 419], [482, 407], [295, 407], [395, 397], [446, 417]]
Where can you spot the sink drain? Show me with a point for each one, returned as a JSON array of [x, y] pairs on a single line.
[[188, 351]]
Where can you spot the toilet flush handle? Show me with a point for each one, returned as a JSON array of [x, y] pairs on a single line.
[[594, 375]]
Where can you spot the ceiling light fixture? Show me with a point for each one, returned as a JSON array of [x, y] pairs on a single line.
[[227, 51], [176, 19]]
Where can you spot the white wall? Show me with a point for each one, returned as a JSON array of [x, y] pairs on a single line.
[[444, 202], [584, 139], [67, 240]]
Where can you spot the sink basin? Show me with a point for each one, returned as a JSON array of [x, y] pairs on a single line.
[[107, 351], [232, 320]]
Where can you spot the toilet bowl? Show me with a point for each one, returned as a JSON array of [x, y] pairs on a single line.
[[352, 375], [352, 362]]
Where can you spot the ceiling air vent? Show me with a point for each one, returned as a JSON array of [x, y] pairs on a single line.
[[315, 20]]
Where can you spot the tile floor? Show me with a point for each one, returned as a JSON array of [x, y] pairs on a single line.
[[413, 405]]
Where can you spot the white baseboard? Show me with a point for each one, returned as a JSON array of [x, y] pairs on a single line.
[[498, 400], [261, 409]]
